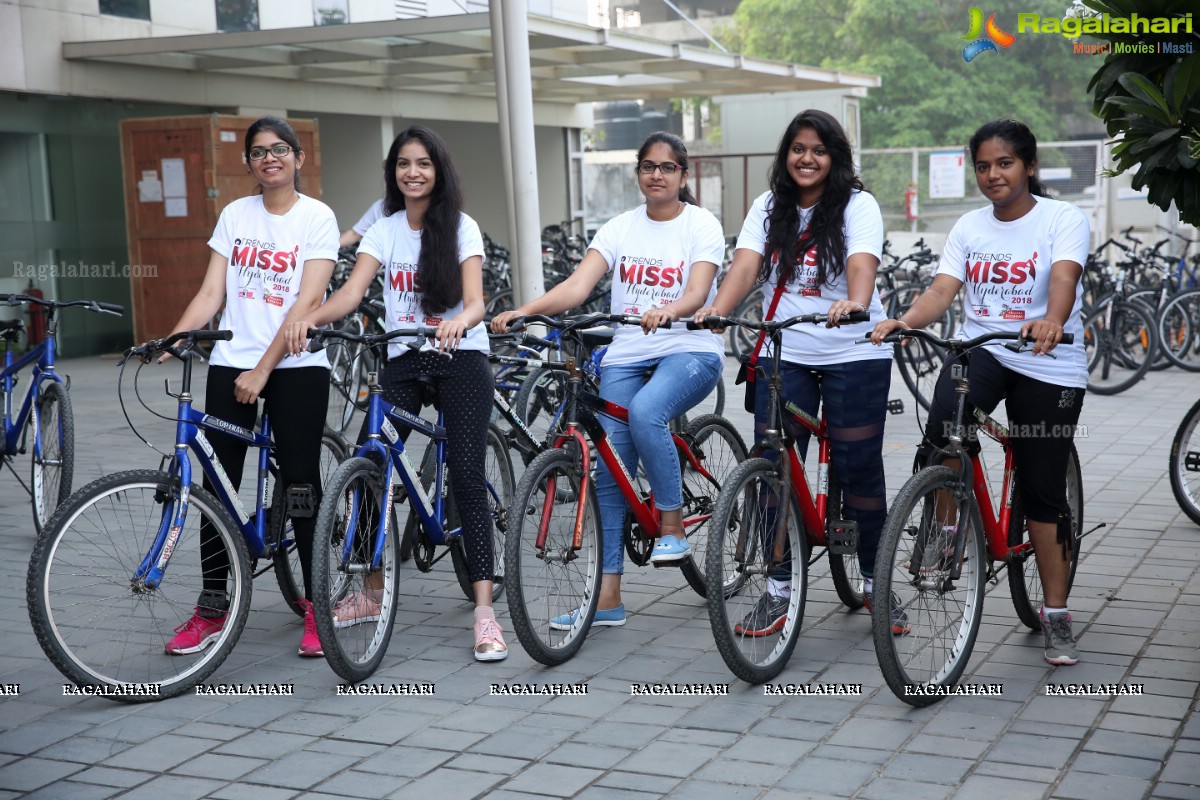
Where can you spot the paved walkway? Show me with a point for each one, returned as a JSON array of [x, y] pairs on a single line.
[[1136, 604]]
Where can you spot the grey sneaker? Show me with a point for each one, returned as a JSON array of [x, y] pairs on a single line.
[[768, 616], [899, 618], [1060, 642]]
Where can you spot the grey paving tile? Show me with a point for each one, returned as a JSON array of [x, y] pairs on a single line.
[[447, 783], [985, 787], [212, 764], [164, 752], [69, 790], [1128, 744], [587, 755], [555, 780], [33, 773], [892, 789], [833, 777], [653, 783], [364, 785], [1088, 786]]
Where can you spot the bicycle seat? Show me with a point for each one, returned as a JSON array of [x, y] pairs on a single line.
[[596, 337]]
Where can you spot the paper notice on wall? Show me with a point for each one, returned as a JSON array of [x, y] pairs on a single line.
[[173, 179], [150, 189], [175, 207], [946, 175], [229, 136]]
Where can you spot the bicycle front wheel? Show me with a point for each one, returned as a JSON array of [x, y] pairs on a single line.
[[354, 601], [755, 628], [1179, 330], [1024, 581], [281, 534], [913, 569], [553, 587], [720, 449], [1120, 343], [1185, 464], [54, 462], [96, 621]]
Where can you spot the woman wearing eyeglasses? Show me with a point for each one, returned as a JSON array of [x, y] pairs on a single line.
[[272, 255], [663, 256]]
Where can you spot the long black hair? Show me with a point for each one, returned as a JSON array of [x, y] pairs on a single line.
[[826, 227], [678, 152], [1019, 137], [438, 268], [281, 128]]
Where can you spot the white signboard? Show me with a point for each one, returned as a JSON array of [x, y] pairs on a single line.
[[946, 177]]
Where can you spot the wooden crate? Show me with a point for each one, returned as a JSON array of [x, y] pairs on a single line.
[[172, 235]]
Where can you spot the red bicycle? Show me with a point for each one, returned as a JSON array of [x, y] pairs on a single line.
[[944, 538]]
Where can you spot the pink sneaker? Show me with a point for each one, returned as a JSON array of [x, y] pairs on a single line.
[[356, 608], [310, 643], [195, 634], [489, 640]]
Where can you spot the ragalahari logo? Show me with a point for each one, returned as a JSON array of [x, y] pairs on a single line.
[[994, 36]]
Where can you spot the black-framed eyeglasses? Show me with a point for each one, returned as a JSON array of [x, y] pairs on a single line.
[[278, 150], [666, 168]]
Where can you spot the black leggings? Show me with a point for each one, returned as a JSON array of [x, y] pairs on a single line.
[[1041, 422], [464, 384], [296, 400]]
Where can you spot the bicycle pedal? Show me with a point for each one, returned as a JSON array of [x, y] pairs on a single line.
[[842, 539], [895, 406], [1191, 462], [301, 501]]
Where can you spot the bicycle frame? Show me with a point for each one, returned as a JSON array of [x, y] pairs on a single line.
[[42, 357]]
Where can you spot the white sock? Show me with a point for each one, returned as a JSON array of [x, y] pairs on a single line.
[[1046, 612], [868, 584], [779, 588]]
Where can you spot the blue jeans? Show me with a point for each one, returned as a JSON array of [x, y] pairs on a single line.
[[679, 382]]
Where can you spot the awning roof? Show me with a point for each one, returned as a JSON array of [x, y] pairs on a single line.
[[570, 63]]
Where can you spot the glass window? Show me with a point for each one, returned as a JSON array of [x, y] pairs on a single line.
[[331, 12], [135, 9], [237, 15]]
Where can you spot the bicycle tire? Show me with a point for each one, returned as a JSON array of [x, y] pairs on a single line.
[[844, 570], [53, 469], [742, 339], [741, 543], [285, 558], [1185, 450], [351, 508], [548, 582], [1150, 299], [412, 522], [1179, 330], [498, 470], [944, 617], [920, 365], [721, 449], [95, 628], [1120, 350], [539, 402], [1024, 580]]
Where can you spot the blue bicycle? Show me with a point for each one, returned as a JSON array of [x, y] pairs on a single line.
[[357, 547], [119, 568], [45, 411]]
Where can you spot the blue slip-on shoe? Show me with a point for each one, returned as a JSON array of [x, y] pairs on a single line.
[[669, 548], [610, 617]]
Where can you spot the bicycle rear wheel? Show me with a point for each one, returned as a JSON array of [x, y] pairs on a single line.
[[843, 569], [755, 631], [553, 588], [1024, 581], [1179, 330], [920, 365], [354, 603], [54, 464], [914, 563], [1185, 464], [101, 627], [539, 402], [720, 449], [499, 473], [281, 535], [1120, 346]]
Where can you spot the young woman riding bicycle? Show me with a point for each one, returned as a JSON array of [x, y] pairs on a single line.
[[272, 256], [663, 257], [1021, 261], [433, 256], [815, 238]]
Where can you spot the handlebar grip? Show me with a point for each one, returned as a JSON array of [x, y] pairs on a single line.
[[538, 341], [692, 325], [113, 308], [858, 316], [1067, 338], [214, 336]]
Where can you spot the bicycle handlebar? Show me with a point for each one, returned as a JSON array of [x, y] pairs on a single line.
[[959, 345], [167, 345], [523, 338], [91, 305], [569, 324], [317, 337], [726, 322]]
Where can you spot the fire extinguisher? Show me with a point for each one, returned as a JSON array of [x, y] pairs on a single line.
[[910, 203], [35, 332]]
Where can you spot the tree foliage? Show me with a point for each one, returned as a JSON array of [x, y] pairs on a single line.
[[929, 95], [1152, 102]]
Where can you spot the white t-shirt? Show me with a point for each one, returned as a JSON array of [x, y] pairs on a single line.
[[1005, 267], [817, 345], [398, 248], [372, 215], [267, 254], [651, 263]]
